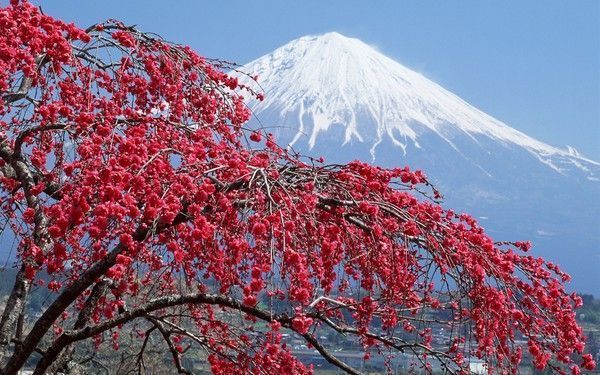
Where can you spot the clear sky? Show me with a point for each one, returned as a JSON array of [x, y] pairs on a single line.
[[534, 65]]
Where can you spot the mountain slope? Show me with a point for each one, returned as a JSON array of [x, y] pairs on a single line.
[[338, 97], [328, 80]]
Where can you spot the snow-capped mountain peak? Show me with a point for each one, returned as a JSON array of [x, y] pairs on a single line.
[[319, 82], [337, 97]]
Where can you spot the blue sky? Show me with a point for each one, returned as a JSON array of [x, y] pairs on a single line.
[[534, 65]]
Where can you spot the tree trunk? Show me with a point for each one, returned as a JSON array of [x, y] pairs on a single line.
[[14, 308]]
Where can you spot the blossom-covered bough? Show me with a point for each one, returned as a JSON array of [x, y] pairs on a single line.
[[128, 178]]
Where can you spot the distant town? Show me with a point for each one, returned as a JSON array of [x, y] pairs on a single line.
[[349, 352]]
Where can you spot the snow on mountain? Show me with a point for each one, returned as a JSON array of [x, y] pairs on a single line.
[[318, 82]]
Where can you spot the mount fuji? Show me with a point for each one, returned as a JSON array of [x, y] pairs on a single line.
[[333, 96]]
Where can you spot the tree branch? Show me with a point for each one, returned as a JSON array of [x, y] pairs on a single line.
[[26, 82], [60, 361], [174, 353], [69, 337], [32, 130]]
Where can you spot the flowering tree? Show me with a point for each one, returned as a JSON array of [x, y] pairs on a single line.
[[129, 181]]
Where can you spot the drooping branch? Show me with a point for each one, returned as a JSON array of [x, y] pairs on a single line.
[[328, 355], [167, 338], [72, 336], [62, 360], [70, 294], [62, 302], [69, 337], [140, 355]]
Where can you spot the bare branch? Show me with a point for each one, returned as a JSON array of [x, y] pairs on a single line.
[[167, 338]]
